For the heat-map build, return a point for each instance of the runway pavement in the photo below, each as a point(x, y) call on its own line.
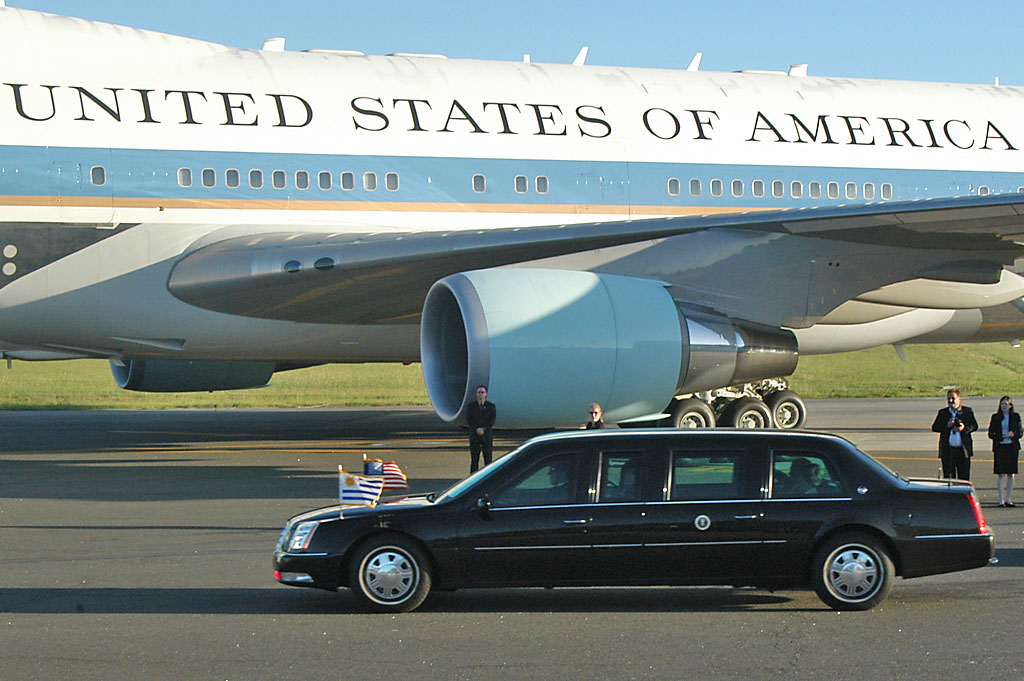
point(137, 545)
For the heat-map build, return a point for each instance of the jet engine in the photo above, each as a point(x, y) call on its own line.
point(549, 342)
point(173, 375)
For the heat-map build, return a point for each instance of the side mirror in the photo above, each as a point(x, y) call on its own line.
point(483, 504)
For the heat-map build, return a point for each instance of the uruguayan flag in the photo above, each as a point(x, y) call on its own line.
point(359, 490)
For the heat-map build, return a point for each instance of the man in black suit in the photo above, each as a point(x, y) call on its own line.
point(954, 425)
point(480, 418)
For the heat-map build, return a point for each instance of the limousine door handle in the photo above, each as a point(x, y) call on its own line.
point(746, 517)
point(581, 521)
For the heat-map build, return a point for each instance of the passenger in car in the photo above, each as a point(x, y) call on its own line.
point(804, 478)
point(627, 487)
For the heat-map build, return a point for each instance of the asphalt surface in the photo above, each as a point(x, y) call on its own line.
point(136, 545)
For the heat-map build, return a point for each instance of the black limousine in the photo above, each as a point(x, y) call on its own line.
point(650, 507)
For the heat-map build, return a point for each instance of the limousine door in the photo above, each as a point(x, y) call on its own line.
point(709, 529)
point(531, 530)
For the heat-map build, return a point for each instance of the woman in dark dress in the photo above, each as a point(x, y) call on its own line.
point(1004, 428)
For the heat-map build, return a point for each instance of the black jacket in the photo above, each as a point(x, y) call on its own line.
point(995, 429)
point(480, 416)
point(939, 426)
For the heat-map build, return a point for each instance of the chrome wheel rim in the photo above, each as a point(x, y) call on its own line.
point(390, 575)
point(852, 573)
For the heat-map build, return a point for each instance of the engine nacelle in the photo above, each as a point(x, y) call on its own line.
point(175, 375)
point(549, 342)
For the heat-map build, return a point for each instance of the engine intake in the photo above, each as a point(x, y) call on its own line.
point(549, 342)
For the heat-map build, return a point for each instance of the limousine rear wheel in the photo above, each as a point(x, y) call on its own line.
point(852, 572)
point(389, 573)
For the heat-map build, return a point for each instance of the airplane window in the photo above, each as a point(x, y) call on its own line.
point(279, 179)
point(695, 187)
point(886, 191)
point(292, 266)
point(479, 183)
point(184, 177)
point(231, 178)
point(851, 190)
point(778, 189)
point(521, 184)
point(391, 182)
point(737, 187)
point(716, 187)
point(869, 190)
point(370, 182)
point(324, 264)
point(814, 190)
point(757, 187)
point(673, 186)
point(983, 190)
point(209, 177)
point(348, 180)
point(98, 174)
point(301, 179)
point(323, 179)
point(833, 190)
point(542, 184)
point(796, 189)
point(256, 179)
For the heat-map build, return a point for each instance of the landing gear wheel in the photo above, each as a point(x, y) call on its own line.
point(691, 413)
point(852, 572)
point(788, 410)
point(389, 573)
point(748, 412)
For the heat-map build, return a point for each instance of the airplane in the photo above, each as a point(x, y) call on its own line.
point(203, 216)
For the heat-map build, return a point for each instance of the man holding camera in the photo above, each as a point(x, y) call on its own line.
point(954, 425)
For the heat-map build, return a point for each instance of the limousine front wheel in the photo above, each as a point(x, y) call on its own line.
point(852, 572)
point(390, 574)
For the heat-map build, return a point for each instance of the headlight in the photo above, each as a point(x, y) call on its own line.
point(302, 535)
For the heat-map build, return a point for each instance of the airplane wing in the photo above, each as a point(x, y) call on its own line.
point(383, 277)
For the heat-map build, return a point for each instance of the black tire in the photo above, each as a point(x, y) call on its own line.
point(390, 573)
point(691, 413)
point(852, 571)
point(748, 412)
point(788, 409)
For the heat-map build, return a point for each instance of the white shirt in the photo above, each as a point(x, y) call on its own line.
point(954, 435)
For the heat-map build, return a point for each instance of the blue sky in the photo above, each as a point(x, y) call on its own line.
point(915, 40)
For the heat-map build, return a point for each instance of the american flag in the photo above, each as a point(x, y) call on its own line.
point(394, 478)
point(359, 490)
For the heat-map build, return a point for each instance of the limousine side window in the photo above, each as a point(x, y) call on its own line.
point(551, 481)
point(702, 476)
point(797, 475)
point(621, 477)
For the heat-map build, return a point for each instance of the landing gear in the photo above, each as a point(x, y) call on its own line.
point(747, 412)
point(788, 410)
point(692, 412)
point(766, 404)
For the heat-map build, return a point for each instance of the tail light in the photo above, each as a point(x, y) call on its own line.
point(978, 515)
